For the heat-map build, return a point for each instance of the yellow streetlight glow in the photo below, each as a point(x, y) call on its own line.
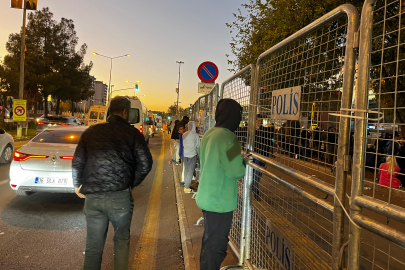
point(128, 54)
point(127, 81)
point(94, 53)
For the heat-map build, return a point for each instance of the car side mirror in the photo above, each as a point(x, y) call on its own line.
point(2, 131)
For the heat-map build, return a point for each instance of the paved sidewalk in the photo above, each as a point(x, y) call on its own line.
point(191, 235)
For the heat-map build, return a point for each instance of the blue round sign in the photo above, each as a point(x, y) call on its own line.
point(207, 72)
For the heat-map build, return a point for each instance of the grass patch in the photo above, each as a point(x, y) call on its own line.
point(31, 133)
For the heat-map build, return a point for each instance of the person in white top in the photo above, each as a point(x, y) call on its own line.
point(191, 143)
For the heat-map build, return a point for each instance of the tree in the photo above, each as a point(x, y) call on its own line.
point(52, 64)
point(267, 22)
point(173, 110)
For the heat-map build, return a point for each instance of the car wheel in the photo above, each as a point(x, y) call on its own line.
point(7, 154)
point(23, 193)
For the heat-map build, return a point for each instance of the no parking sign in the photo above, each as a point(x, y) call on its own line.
point(207, 72)
point(20, 110)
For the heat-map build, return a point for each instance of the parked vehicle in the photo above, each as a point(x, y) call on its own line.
point(96, 115)
point(6, 146)
point(151, 124)
point(56, 120)
point(44, 164)
point(6, 112)
point(138, 116)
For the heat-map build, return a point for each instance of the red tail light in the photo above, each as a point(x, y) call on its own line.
point(41, 123)
point(65, 125)
point(141, 129)
point(67, 157)
point(14, 186)
point(23, 157)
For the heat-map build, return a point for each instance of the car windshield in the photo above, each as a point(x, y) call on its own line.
point(59, 136)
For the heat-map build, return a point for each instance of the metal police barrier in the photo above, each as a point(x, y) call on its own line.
point(203, 112)
point(291, 215)
point(238, 87)
point(377, 233)
point(213, 98)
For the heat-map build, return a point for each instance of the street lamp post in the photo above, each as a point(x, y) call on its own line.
point(111, 59)
point(178, 86)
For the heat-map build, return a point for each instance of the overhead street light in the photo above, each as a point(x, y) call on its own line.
point(111, 58)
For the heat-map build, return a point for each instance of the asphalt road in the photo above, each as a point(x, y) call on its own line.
point(48, 231)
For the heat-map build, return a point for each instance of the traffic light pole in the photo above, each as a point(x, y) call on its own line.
point(21, 86)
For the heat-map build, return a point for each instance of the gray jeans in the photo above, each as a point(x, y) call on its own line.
point(188, 170)
point(101, 209)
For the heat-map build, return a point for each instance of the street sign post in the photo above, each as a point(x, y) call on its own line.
point(207, 72)
point(205, 88)
point(20, 110)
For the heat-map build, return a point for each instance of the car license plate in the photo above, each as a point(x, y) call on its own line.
point(51, 180)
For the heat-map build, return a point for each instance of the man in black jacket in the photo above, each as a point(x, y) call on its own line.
point(175, 137)
point(109, 160)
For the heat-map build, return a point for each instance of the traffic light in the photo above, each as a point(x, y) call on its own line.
point(136, 88)
point(169, 117)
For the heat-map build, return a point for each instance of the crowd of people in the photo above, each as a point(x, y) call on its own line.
point(318, 145)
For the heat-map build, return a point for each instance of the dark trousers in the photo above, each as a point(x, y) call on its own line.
point(100, 209)
point(257, 175)
point(215, 239)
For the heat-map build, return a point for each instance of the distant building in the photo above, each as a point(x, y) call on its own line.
point(100, 93)
point(99, 97)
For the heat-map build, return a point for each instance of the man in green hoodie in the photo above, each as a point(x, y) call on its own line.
point(222, 165)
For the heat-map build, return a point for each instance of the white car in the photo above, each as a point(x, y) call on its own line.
point(45, 163)
point(6, 146)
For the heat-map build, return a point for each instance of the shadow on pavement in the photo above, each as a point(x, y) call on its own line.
point(48, 211)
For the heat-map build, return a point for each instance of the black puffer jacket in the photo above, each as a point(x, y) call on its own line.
point(111, 156)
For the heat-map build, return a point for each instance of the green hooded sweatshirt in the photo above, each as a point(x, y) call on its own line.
point(222, 165)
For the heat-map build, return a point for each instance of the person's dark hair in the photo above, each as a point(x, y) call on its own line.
point(119, 104)
point(181, 125)
point(186, 118)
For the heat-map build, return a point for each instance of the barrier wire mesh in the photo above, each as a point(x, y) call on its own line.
point(386, 137)
point(314, 62)
point(239, 90)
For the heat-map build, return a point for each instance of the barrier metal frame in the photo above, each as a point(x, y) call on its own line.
point(358, 201)
point(339, 191)
point(240, 253)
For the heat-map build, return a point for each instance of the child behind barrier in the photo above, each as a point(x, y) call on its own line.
point(387, 169)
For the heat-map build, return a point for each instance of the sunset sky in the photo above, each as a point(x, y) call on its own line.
point(156, 34)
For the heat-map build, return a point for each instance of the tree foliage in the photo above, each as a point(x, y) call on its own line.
point(173, 110)
point(261, 24)
point(52, 64)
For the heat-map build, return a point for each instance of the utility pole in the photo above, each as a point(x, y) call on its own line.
point(178, 86)
point(21, 88)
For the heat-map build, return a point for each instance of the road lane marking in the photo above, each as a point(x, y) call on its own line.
point(145, 253)
point(4, 182)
